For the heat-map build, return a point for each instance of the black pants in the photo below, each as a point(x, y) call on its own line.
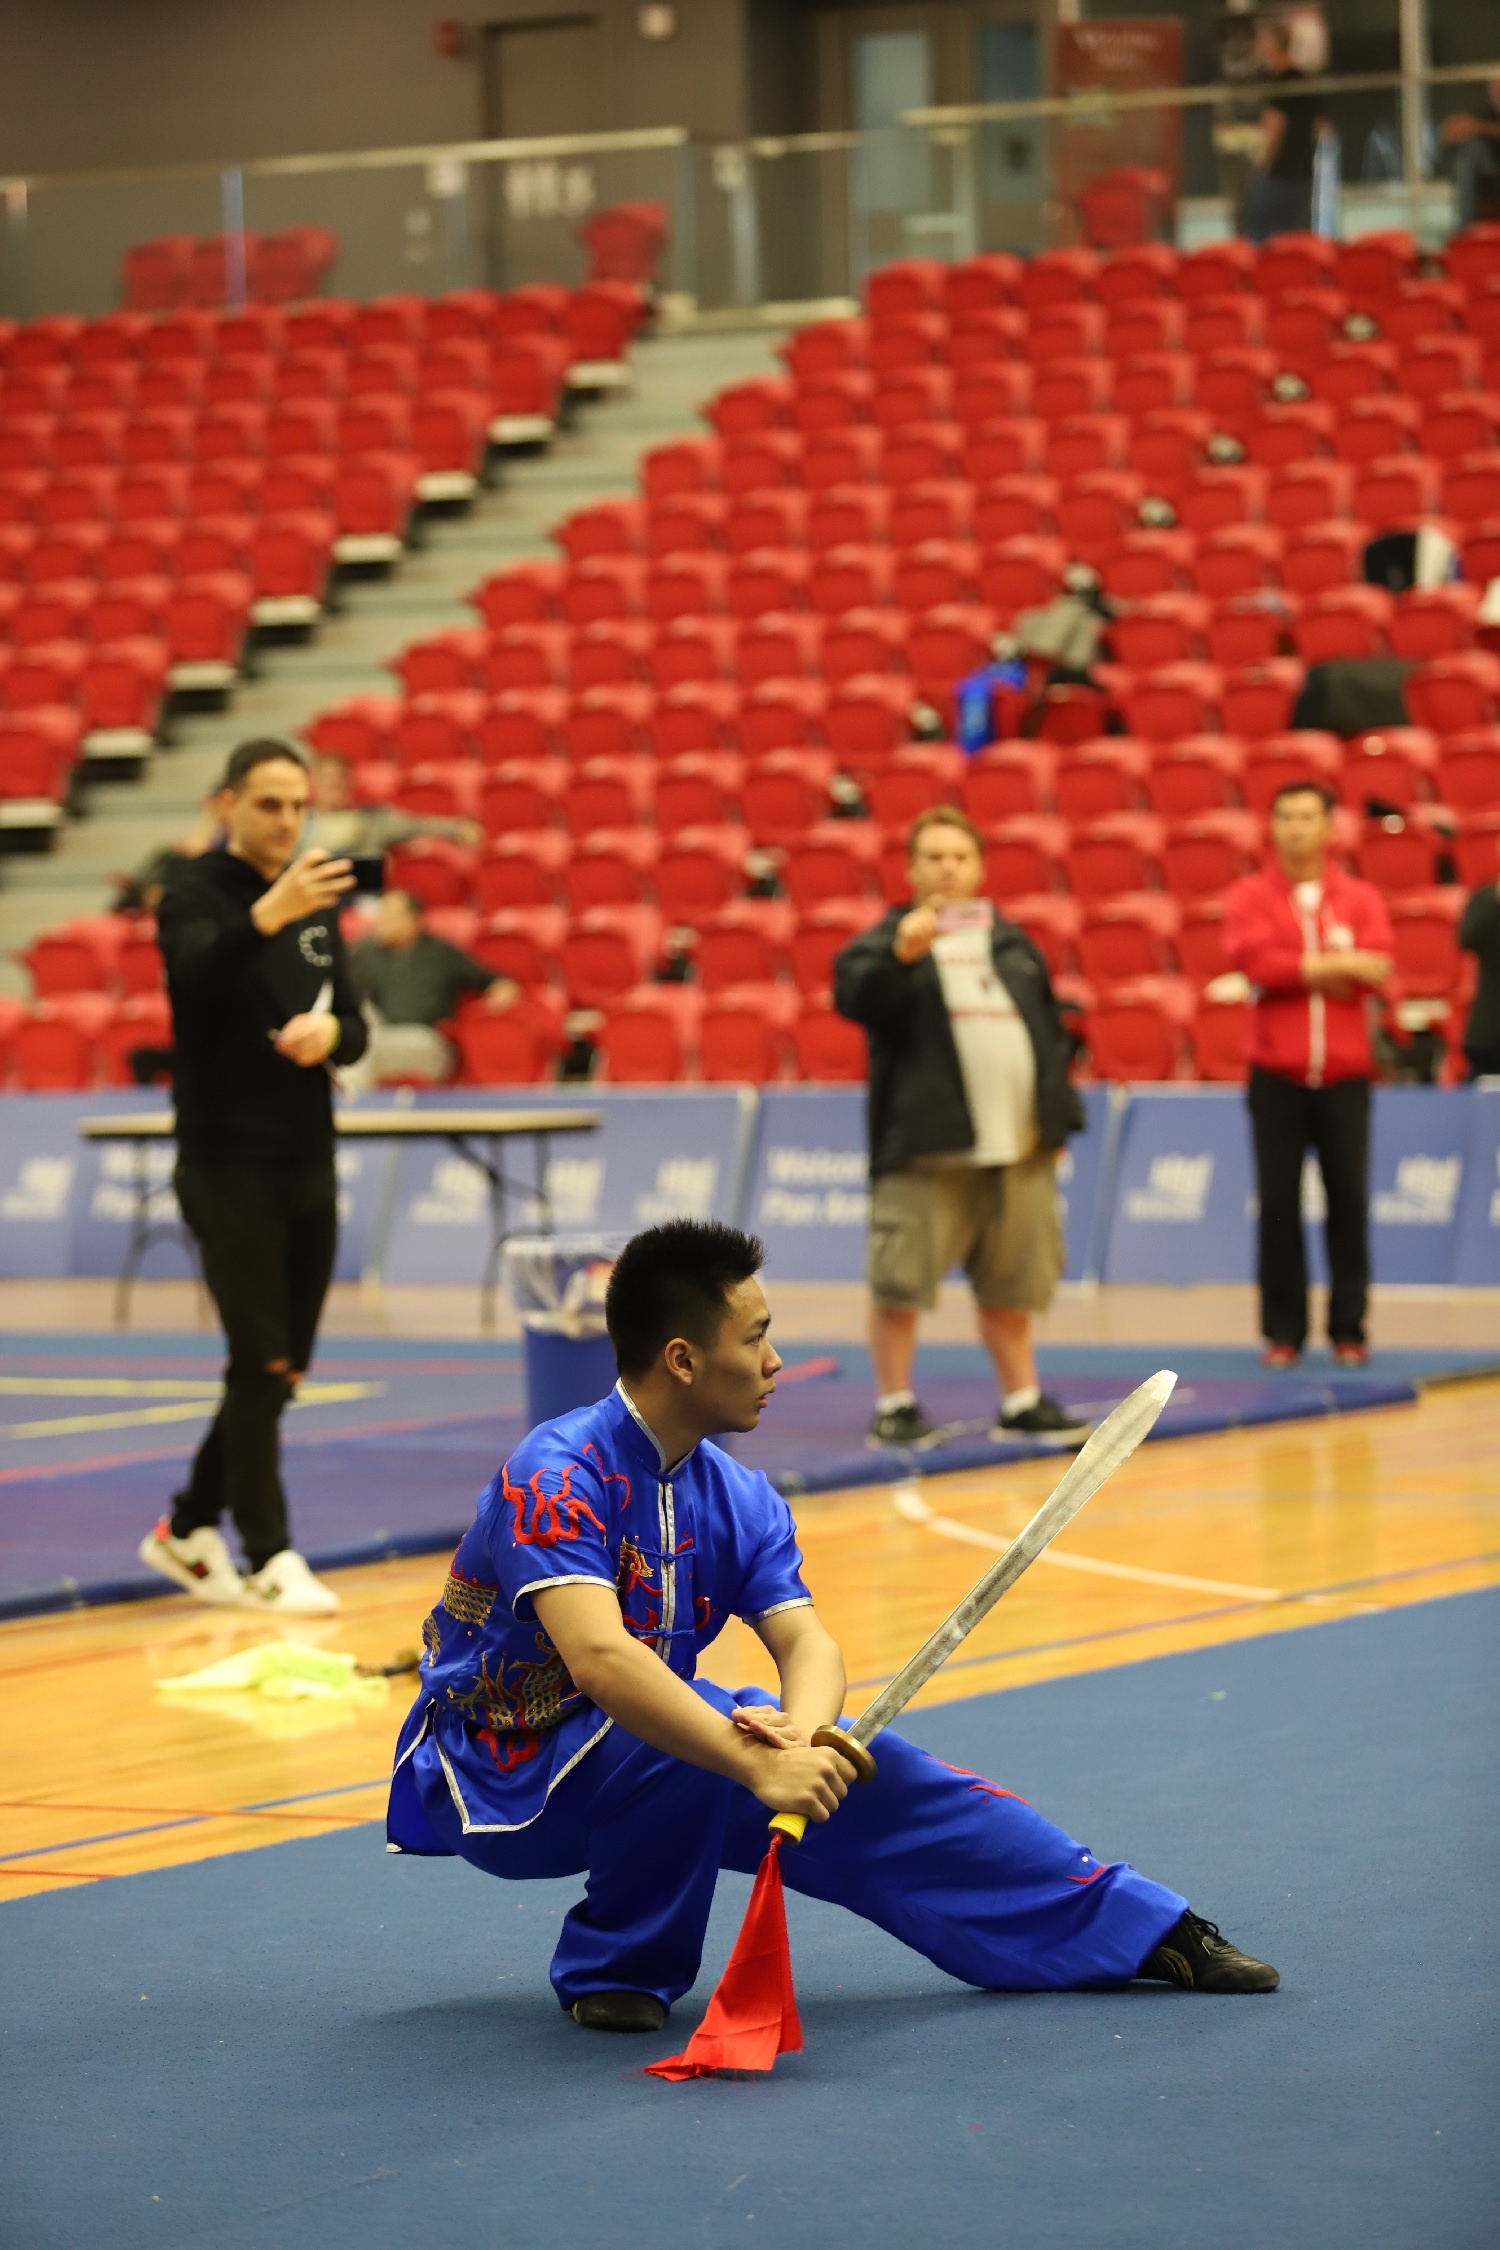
point(1286, 1120)
point(267, 1237)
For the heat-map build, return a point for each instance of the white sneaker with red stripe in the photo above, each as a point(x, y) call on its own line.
point(200, 1564)
point(288, 1586)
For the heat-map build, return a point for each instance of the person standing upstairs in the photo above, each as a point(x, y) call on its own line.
point(1315, 944)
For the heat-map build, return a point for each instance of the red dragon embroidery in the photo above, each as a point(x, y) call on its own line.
point(542, 1518)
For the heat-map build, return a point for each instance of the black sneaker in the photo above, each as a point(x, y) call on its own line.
point(619, 2011)
point(1194, 1955)
point(1046, 1419)
point(901, 1425)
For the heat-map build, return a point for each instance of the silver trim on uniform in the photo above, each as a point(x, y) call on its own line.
point(538, 1585)
point(508, 1827)
point(802, 1601)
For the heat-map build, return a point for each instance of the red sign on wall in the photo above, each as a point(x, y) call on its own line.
point(1119, 54)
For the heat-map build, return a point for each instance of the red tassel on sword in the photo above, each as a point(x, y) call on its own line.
point(752, 2017)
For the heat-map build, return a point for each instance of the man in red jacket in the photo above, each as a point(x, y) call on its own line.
point(1316, 944)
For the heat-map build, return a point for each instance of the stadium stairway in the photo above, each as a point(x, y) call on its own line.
point(596, 456)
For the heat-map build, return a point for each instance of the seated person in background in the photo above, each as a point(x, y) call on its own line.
point(1479, 934)
point(140, 893)
point(354, 831)
point(1475, 134)
point(410, 982)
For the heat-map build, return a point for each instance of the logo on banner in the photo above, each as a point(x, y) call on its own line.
point(41, 1190)
point(815, 1187)
point(1425, 1193)
point(116, 1197)
point(457, 1195)
point(1175, 1193)
point(684, 1190)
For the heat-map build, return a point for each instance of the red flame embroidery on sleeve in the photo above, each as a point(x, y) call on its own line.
point(542, 1518)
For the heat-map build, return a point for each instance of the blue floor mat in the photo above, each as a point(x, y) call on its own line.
point(398, 1471)
point(315, 2047)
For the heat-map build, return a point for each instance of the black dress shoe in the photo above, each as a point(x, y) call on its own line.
point(901, 1425)
point(619, 2011)
point(1046, 1419)
point(1194, 1955)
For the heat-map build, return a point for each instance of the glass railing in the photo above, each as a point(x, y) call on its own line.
point(764, 221)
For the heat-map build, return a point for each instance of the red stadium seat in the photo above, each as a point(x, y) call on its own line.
point(1238, 558)
point(501, 1047)
point(792, 646)
point(785, 794)
point(1309, 491)
point(835, 859)
point(436, 872)
point(827, 1048)
point(523, 943)
point(1052, 921)
point(1106, 774)
point(701, 871)
point(1471, 487)
point(1005, 782)
point(1204, 855)
point(1174, 700)
point(1200, 940)
point(522, 869)
point(1455, 694)
point(699, 790)
point(526, 594)
point(696, 715)
point(1321, 555)
point(732, 950)
point(1468, 770)
point(1220, 1037)
point(820, 935)
point(783, 715)
point(1201, 773)
point(1252, 628)
point(744, 1035)
point(650, 1034)
point(1397, 766)
point(1476, 848)
point(846, 515)
point(54, 1053)
point(1344, 622)
point(1137, 1032)
point(1427, 960)
point(973, 284)
point(1121, 852)
point(846, 578)
point(1024, 854)
point(1012, 446)
point(611, 867)
point(608, 951)
point(1132, 934)
point(866, 641)
point(1148, 562)
point(1400, 851)
point(1259, 698)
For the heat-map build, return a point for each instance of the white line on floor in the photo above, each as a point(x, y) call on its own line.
point(908, 1502)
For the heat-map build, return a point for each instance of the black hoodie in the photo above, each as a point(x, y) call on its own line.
point(238, 1100)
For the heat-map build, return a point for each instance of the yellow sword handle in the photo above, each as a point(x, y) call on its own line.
point(793, 1825)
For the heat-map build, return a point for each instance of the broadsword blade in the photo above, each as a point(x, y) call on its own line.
point(1114, 1441)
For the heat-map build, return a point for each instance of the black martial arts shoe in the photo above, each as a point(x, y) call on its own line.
point(1047, 1419)
point(619, 2011)
point(902, 1425)
point(1194, 1955)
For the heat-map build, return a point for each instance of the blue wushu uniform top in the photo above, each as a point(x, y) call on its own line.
point(584, 1500)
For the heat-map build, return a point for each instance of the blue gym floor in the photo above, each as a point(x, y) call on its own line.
point(396, 1469)
point(316, 2047)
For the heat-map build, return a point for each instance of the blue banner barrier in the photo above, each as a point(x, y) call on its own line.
point(1183, 1188)
point(1477, 1262)
point(676, 1153)
point(809, 1197)
point(1419, 1148)
point(42, 1168)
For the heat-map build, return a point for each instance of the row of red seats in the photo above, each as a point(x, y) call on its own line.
point(775, 791)
point(700, 869)
point(1311, 328)
point(76, 1039)
point(874, 664)
point(1371, 270)
point(186, 269)
point(594, 323)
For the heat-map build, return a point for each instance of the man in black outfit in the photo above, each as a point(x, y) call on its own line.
point(262, 1005)
point(1279, 192)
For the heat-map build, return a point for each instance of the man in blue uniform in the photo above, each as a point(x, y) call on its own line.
point(560, 1729)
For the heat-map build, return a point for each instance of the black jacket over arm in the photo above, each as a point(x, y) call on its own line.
point(918, 1106)
point(238, 1101)
point(1479, 932)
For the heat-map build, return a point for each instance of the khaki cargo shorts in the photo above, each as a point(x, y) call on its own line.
point(1000, 1222)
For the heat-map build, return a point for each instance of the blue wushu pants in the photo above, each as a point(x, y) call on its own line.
point(962, 1871)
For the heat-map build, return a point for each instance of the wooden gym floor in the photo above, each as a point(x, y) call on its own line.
point(1195, 1542)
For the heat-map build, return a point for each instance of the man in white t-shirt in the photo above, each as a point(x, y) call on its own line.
point(970, 1104)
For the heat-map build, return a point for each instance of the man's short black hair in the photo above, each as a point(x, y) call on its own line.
point(1308, 788)
point(674, 1280)
point(243, 761)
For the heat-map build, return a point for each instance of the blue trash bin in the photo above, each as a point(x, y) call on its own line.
point(557, 1283)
